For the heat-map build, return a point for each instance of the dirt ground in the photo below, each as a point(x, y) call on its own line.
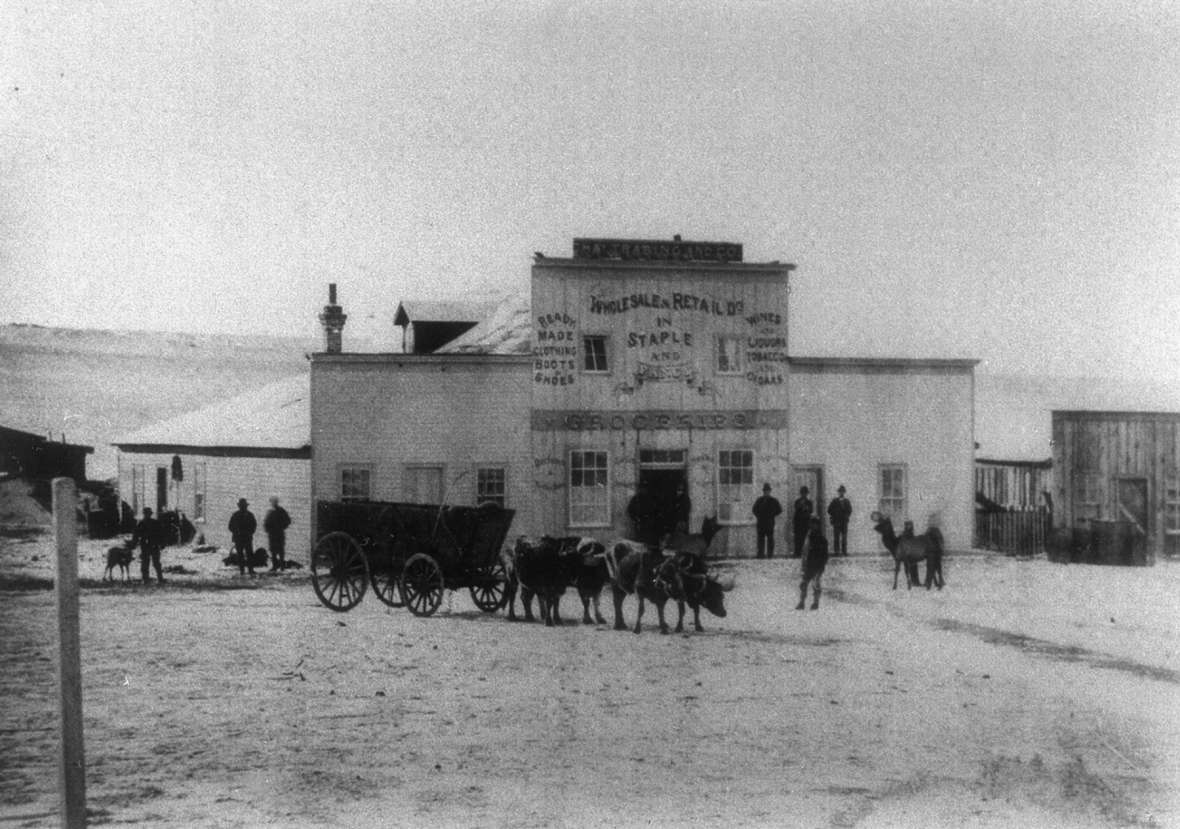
point(1024, 694)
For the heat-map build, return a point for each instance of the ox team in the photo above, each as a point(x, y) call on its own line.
point(663, 561)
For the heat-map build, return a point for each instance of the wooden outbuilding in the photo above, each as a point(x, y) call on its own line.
point(1122, 468)
point(29, 455)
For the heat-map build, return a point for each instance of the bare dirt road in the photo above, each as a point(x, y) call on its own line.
point(1024, 694)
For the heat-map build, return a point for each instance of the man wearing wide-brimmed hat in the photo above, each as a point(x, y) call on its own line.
point(840, 513)
point(241, 528)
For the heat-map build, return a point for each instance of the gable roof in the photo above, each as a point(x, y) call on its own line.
point(274, 417)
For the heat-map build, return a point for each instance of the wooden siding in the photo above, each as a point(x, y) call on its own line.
point(1014, 485)
point(1095, 453)
point(227, 478)
point(661, 323)
point(457, 412)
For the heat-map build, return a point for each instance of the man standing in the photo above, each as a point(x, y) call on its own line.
point(766, 510)
point(147, 535)
point(644, 513)
point(839, 513)
point(275, 523)
point(680, 511)
point(815, 558)
point(801, 521)
point(241, 528)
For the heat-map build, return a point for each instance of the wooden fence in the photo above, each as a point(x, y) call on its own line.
point(1021, 533)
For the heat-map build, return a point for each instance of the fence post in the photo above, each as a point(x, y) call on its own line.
point(72, 777)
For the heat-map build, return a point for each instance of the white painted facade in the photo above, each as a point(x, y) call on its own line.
point(666, 403)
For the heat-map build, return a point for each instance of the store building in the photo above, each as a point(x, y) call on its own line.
point(653, 363)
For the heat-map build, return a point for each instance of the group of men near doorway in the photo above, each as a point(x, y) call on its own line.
point(767, 509)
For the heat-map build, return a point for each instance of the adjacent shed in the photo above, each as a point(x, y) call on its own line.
point(1124, 467)
point(29, 455)
point(254, 446)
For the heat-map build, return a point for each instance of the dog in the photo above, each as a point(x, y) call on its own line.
point(120, 557)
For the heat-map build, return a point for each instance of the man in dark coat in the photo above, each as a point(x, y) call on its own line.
point(815, 558)
point(839, 513)
point(275, 523)
point(241, 528)
point(801, 521)
point(680, 511)
point(644, 512)
point(148, 536)
point(766, 510)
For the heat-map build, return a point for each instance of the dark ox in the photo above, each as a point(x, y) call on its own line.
point(655, 577)
point(545, 567)
point(908, 549)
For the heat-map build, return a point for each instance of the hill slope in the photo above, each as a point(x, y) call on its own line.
point(93, 385)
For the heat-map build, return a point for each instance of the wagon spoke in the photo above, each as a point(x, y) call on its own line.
point(339, 572)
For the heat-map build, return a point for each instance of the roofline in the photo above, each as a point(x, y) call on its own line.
point(461, 357)
point(654, 264)
point(296, 453)
point(1045, 464)
point(881, 362)
point(1114, 413)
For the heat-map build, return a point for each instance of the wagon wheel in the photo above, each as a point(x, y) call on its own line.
point(387, 586)
point(339, 573)
point(422, 584)
point(489, 587)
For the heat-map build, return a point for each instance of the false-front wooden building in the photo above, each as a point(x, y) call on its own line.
point(1119, 467)
point(653, 363)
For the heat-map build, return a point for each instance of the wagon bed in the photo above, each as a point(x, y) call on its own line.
point(409, 553)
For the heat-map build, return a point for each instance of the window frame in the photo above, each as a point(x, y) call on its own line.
point(576, 509)
point(482, 494)
point(1171, 502)
point(606, 352)
point(342, 469)
point(734, 510)
point(739, 356)
point(1087, 496)
point(412, 470)
point(200, 493)
point(884, 500)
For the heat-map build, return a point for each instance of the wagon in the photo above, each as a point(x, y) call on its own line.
point(409, 553)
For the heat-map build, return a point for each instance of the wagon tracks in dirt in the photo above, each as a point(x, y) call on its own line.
point(1026, 644)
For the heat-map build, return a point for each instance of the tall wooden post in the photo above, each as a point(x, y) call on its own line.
point(72, 777)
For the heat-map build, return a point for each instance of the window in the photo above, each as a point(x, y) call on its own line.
point(594, 353)
point(729, 355)
point(199, 491)
point(489, 485)
point(424, 484)
point(1087, 496)
point(892, 488)
point(355, 483)
point(1172, 505)
point(589, 498)
point(735, 485)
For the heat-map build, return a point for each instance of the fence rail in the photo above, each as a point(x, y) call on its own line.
point(1016, 533)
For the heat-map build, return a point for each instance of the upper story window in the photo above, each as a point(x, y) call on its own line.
point(594, 356)
point(423, 484)
point(729, 354)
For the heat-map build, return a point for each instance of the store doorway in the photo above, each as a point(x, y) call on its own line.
point(662, 472)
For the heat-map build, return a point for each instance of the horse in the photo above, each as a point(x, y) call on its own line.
point(910, 549)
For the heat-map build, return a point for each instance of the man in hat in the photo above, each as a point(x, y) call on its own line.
point(815, 558)
point(148, 534)
point(839, 513)
point(766, 510)
point(275, 523)
point(241, 528)
point(801, 521)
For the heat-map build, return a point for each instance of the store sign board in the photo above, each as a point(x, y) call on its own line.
point(657, 250)
point(563, 420)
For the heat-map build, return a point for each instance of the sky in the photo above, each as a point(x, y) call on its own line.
point(997, 181)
